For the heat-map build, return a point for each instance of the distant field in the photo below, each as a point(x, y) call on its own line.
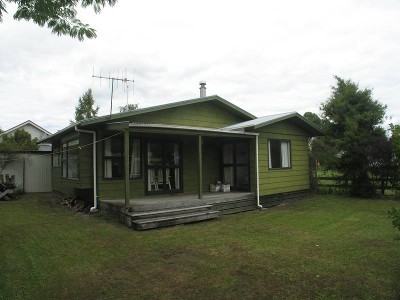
point(322, 247)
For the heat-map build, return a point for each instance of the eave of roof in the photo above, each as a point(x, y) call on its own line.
point(192, 129)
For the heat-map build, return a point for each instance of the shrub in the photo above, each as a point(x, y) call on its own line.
point(394, 214)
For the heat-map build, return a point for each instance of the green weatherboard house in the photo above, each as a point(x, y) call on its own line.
point(155, 166)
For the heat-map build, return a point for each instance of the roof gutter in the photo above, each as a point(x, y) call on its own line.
point(95, 202)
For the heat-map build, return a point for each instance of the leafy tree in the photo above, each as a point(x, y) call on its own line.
point(313, 118)
point(394, 214)
point(85, 108)
point(352, 121)
point(395, 131)
point(10, 145)
point(322, 148)
point(128, 107)
point(59, 15)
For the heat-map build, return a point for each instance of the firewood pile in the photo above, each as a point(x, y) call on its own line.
point(75, 204)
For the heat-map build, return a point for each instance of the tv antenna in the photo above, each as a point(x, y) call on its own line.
point(111, 79)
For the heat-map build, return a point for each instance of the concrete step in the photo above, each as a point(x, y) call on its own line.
point(150, 223)
point(167, 212)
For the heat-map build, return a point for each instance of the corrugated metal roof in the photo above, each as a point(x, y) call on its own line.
point(259, 121)
point(190, 128)
point(267, 120)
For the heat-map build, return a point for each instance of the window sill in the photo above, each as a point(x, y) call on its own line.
point(71, 179)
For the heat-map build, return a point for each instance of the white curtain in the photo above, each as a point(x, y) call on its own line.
point(176, 154)
point(177, 184)
point(107, 161)
point(135, 159)
point(228, 175)
point(108, 168)
point(285, 154)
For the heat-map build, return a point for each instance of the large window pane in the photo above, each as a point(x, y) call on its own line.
point(135, 159)
point(242, 153)
point(171, 153)
point(163, 167)
point(69, 159)
point(113, 160)
point(274, 154)
point(228, 154)
point(73, 163)
point(154, 153)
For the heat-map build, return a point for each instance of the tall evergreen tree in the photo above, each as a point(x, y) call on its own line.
point(85, 108)
point(352, 121)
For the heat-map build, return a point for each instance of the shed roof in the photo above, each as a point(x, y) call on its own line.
point(267, 120)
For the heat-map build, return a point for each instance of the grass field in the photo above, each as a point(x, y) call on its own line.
point(323, 247)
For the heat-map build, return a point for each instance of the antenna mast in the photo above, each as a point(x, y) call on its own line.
point(111, 80)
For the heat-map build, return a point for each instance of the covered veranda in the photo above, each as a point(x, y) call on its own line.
point(181, 199)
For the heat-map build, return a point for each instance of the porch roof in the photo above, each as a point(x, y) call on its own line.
point(178, 129)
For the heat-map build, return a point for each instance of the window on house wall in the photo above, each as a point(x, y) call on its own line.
point(56, 158)
point(279, 154)
point(69, 159)
point(114, 158)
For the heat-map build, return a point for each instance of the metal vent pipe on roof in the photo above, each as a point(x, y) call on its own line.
point(202, 89)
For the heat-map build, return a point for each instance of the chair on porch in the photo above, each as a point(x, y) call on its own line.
point(167, 177)
point(152, 180)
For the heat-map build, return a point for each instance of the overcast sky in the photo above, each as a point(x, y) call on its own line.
point(265, 56)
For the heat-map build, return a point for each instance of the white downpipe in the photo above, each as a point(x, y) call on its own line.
point(95, 204)
point(258, 177)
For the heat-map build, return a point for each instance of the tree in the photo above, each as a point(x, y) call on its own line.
point(10, 145)
point(352, 121)
point(59, 15)
point(128, 107)
point(85, 108)
point(395, 131)
point(321, 148)
point(313, 118)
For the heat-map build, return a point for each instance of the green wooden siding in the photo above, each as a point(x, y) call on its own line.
point(284, 180)
point(68, 186)
point(202, 115)
point(199, 114)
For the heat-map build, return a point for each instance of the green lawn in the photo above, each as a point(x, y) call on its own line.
point(322, 247)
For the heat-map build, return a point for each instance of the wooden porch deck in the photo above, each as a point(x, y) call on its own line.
point(162, 202)
point(168, 210)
